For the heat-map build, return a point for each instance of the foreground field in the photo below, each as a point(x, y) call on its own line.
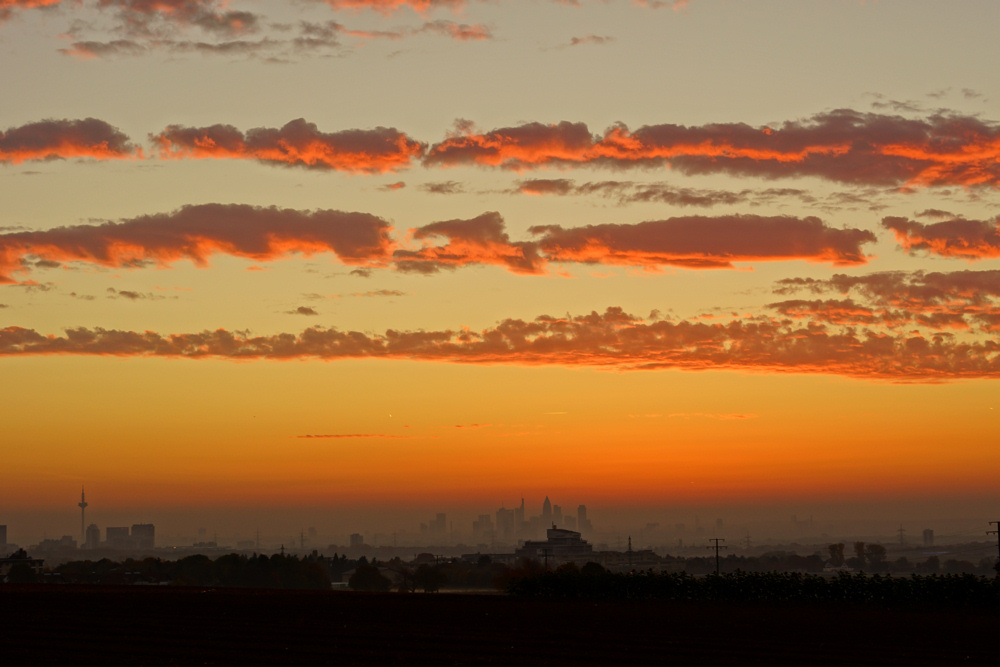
point(189, 626)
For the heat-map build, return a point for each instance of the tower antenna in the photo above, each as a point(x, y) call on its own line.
point(83, 509)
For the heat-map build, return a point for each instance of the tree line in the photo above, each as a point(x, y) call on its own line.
point(593, 582)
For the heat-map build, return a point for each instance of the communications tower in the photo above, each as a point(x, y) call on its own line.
point(83, 511)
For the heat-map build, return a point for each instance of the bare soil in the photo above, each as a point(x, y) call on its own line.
point(62, 625)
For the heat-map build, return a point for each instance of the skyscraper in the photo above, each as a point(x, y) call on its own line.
point(93, 536)
point(547, 514)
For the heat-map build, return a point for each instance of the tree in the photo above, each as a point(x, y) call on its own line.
point(837, 554)
point(876, 556)
point(21, 573)
point(367, 578)
point(429, 578)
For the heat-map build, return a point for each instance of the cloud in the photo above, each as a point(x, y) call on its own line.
point(843, 145)
point(379, 292)
point(443, 188)
point(197, 232)
point(598, 40)
point(704, 242)
point(958, 300)
point(145, 17)
point(55, 139)
point(613, 339)
point(628, 192)
point(546, 186)
point(481, 240)
point(8, 7)
point(303, 310)
point(346, 436)
point(95, 49)
point(133, 295)
point(364, 240)
point(710, 415)
point(389, 6)
point(327, 33)
point(695, 242)
point(390, 187)
point(298, 143)
point(953, 237)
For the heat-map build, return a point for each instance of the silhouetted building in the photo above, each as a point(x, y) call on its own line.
point(547, 512)
point(560, 545)
point(143, 535)
point(18, 558)
point(3, 540)
point(117, 537)
point(357, 539)
point(928, 538)
point(582, 522)
point(505, 524)
point(64, 543)
point(557, 517)
point(93, 537)
point(482, 528)
point(436, 528)
point(519, 522)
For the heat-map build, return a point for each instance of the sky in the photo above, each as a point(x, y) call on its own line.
point(348, 263)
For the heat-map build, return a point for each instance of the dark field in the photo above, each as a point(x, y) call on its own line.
point(64, 625)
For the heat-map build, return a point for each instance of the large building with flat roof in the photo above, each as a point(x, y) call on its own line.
point(560, 546)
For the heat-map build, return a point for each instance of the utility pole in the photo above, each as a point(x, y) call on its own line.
point(997, 533)
point(717, 547)
point(746, 541)
point(901, 531)
point(630, 554)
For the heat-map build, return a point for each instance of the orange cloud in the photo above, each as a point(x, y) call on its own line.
point(481, 240)
point(389, 6)
point(54, 139)
point(613, 339)
point(955, 300)
point(263, 234)
point(352, 436)
point(298, 143)
point(705, 242)
point(692, 242)
point(955, 237)
point(7, 7)
point(843, 145)
point(137, 15)
point(197, 232)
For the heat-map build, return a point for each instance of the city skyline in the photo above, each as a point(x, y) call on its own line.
point(355, 262)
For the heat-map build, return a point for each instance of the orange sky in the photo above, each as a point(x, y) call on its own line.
point(358, 262)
